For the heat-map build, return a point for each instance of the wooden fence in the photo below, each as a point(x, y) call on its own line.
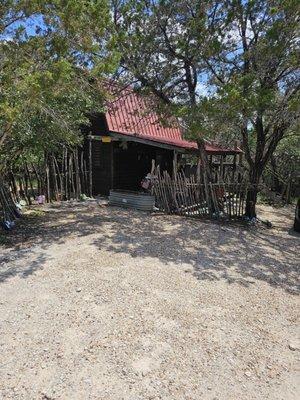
point(59, 176)
point(194, 197)
point(56, 176)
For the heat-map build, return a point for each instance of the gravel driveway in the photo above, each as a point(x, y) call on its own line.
point(105, 303)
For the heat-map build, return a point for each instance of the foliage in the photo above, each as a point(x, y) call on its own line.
point(222, 66)
point(46, 86)
point(282, 173)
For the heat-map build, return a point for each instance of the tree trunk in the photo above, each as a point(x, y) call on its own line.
point(251, 200)
point(276, 183)
point(207, 175)
point(204, 160)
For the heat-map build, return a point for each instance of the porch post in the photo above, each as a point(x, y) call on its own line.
point(175, 164)
point(198, 172)
point(222, 159)
point(112, 165)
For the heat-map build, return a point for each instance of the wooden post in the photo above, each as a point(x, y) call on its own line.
point(54, 179)
point(71, 174)
point(152, 167)
point(221, 175)
point(198, 171)
point(207, 175)
point(48, 182)
point(65, 164)
point(111, 165)
point(234, 166)
point(61, 189)
point(82, 174)
point(90, 168)
point(174, 164)
point(77, 177)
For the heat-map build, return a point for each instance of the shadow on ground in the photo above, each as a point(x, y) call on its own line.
point(234, 253)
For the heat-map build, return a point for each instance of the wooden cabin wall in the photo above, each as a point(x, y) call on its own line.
point(102, 158)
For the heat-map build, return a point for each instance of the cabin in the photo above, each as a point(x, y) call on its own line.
point(123, 142)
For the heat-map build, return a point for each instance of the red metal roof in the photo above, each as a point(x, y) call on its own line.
point(128, 114)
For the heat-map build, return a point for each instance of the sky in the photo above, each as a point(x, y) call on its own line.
point(29, 24)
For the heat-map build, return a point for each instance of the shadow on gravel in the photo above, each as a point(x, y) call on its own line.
point(13, 266)
point(25, 247)
point(232, 253)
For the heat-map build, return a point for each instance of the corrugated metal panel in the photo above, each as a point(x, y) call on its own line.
point(129, 199)
point(129, 114)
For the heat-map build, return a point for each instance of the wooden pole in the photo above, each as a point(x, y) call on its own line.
point(71, 175)
point(82, 175)
point(90, 168)
point(54, 179)
point(56, 167)
point(174, 165)
point(77, 176)
point(67, 191)
point(111, 165)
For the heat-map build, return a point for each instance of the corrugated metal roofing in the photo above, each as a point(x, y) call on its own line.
point(129, 114)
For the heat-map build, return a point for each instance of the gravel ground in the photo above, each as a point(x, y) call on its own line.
point(106, 303)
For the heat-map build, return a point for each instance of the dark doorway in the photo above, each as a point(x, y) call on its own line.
point(132, 162)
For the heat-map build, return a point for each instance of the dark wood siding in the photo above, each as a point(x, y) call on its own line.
point(102, 167)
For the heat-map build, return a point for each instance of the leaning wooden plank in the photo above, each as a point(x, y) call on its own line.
point(194, 195)
point(166, 205)
point(159, 191)
point(184, 193)
point(180, 194)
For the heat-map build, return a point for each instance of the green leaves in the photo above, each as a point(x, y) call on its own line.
point(46, 54)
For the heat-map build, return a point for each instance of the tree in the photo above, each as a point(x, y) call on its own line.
point(46, 87)
point(257, 74)
point(234, 62)
point(283, 171)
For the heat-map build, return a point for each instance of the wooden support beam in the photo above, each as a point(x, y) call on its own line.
point(154, 143)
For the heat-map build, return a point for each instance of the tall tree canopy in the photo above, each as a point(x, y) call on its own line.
point(220, 65)
point(45, 70)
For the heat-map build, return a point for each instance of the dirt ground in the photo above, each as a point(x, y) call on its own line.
point(106, 303)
